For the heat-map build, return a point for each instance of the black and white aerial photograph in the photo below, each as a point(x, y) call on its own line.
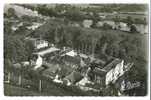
point(76, 49)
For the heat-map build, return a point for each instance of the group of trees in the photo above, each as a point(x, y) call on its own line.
point(81, 38)
point(67, 11)
point(16, 49)
point(10, 13)
point(116, 7)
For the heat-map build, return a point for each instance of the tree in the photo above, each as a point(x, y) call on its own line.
point(116, 19)
point(7, 64)
point(76, 34)
point(15, 49)
point(11, 13)
point(133, 29)
point(7, 28)
point(113, 50)
point(43, 10)
point(95, 19)
point(94, 43)
point(111, 90)
point(129, 21)
point(29, 47)
point(22, 31)
point(106, 26)
point(74, 14)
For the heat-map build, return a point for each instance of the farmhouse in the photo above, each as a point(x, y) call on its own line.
point(111, 72)
point(38, 43)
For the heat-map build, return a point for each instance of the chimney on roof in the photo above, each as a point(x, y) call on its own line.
point(64, 48)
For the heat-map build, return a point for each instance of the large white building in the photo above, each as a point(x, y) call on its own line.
point(38, 43)
point(119, 70)
point(41, 44)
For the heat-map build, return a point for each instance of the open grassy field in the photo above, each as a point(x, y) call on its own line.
point(14, 90)
point(11, 90)
point(49, 88)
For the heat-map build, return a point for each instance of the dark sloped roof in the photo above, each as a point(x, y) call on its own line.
point(47, 51)
point(65, 70)
point(51, 69)
point(74, 60)
point(74, 77)
point(112, 64)
point(99, 61)
point(99, 72)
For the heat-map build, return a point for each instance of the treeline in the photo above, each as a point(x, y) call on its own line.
point(16, 49)
point(74, 13)
point(62, 10)
point(97, 7)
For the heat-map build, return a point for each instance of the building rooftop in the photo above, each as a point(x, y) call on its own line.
point(49, 50)
point(99, 71)
point(111, 64)
point(74, 77)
